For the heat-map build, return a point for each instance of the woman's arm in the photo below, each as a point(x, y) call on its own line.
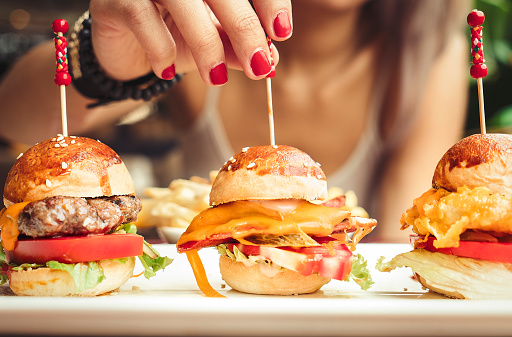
point(440, 125)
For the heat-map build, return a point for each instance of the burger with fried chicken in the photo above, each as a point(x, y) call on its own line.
point(463, 224)
point(273, 233)
point(66, 226)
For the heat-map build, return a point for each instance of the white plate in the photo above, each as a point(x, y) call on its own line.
point(170, 234)
point(171, 304)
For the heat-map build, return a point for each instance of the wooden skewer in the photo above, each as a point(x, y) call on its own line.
point(270, 111)
point(480, 85)
point(63, 110)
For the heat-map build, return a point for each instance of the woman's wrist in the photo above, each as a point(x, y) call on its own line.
point(90, 80)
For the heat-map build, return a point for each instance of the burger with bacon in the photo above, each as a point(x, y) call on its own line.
point(463, 224)
point(65, 228)
point(271, 229)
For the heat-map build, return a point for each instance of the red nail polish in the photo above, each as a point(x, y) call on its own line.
point(169, 73)
point(260, 64)
point(282, 25)
point(219, 74)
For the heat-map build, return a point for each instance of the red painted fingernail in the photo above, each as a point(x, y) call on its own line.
point(260, 64)
point(282, 25)
point(169, 73)
point(219, 74)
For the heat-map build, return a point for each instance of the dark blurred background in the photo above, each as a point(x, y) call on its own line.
point(25, 23)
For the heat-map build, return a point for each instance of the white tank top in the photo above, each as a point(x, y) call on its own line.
point(206, 147)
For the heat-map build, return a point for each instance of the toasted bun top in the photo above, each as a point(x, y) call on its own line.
point(267, 173)
point(477, 160)
point(67, 166)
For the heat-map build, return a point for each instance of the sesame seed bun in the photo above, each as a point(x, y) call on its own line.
point(67, 166)
point(268, 173)
point(52, 282)
point(250, 280)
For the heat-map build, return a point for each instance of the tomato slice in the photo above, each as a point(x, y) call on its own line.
point(74, 249)
point(491, 251)
point(334, 262)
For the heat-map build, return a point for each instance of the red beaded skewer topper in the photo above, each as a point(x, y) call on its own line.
point(62, 77)
point(478, 69)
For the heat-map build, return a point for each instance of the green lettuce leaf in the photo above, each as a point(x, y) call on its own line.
point(152, 263)
point(360, 273)
point(3, 260)
point(464, 277)
point(85, 275)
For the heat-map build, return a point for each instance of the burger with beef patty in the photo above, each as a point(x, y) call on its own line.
point(274, 235)
point(463, 224)
point(66, 226)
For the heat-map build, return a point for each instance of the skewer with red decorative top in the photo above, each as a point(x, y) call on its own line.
point(269, 95)
point(478, 69)
point(62, 77)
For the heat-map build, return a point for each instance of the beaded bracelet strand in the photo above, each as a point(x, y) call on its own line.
point(92, 82)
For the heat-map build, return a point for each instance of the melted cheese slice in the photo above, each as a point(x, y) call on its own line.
point(200, 274)
point(447, 215)
point(244, 218)
point(9, 225)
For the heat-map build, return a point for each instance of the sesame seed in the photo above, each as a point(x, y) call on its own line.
point(274, 146)
point(57, 145)
point(64, 165)
point(245, 149)
point(233, 160)
point(54, 139)
point(319, 176)
point(229, 167)
point(251, 165)
point(60, 138)
point(99, 141)
point(73, 141)
point(19, 156)
point(72, 136)
point(48, 183)
point(63, 144)
point(318, 164)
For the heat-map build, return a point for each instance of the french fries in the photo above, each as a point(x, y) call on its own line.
point(350, 201)
point(176, 205)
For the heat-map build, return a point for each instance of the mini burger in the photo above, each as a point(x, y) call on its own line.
point(463, 224)
point(273, 234)
point(65, 228)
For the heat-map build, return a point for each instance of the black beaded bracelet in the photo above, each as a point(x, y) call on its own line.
point(92, 82)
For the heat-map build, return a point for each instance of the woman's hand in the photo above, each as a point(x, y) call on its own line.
point(132, 37)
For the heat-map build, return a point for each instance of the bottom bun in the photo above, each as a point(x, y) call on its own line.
point(52, 282)
point(251, 280)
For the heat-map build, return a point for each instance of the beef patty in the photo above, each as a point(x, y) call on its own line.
point(59, 216)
